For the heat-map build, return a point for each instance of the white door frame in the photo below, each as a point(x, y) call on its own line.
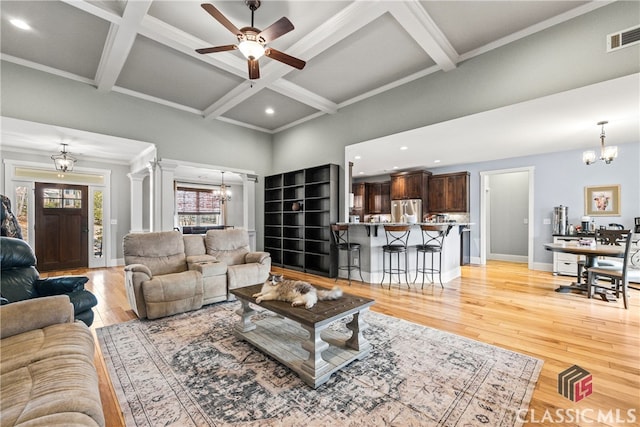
point(11, 181)
point(484, 211)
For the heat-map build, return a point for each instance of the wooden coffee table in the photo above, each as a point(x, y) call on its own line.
point(299, 339)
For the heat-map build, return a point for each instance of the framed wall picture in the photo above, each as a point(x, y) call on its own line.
point(602, 200)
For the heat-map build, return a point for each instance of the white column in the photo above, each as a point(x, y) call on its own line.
point(249, 206)
point(136, 180)
point(167, 203)
point(154, 196)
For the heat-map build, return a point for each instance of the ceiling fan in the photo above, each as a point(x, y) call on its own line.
point(252, 41)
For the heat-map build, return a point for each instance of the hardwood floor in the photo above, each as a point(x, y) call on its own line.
point(503, 304)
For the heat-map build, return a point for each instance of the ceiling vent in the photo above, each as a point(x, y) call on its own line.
point(624, 38)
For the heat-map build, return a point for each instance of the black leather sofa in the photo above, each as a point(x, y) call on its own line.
point(19, 280)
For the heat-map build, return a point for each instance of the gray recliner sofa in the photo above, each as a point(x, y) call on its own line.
point(168, 273)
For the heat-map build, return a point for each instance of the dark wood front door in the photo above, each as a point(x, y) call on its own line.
point(61, 226)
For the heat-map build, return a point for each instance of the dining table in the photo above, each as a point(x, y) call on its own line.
point(591, 254)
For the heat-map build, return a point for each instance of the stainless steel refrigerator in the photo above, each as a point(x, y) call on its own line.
point(406, 210)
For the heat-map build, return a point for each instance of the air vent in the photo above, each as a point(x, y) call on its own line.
point(624, 38)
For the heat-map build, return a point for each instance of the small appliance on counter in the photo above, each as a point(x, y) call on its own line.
point(561, 220)
point(406, 210)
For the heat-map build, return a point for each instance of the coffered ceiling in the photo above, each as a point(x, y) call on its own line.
point(353, 49)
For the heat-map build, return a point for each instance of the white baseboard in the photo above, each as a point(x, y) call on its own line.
point(508, 257)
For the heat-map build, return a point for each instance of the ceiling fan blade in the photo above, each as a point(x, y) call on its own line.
point(281, 27)
point(284, 58)
point(254, 69)
point(218, 16)
point(217, 49)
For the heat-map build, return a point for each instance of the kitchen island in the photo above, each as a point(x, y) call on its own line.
point(371, 237)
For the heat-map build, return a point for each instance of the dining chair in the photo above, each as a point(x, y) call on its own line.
point(618, 277)
point(605, 237)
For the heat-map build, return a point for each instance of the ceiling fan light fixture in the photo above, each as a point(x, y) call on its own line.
point(251, 49)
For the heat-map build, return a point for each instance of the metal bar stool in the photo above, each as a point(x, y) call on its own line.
point(343, 243)
point(432, 243)
point(397, 238)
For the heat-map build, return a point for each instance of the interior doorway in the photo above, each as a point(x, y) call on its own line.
point(503, 197)
point(62, 228)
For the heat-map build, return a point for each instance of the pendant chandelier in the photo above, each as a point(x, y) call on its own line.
point(607, 154)
point(223, 194)
point(64, 161)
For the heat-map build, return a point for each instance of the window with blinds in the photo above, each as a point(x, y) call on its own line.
point(197, 207)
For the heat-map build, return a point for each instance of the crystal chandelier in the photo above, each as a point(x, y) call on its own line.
point(222, 194)
point(64, 161)
point(607, 154)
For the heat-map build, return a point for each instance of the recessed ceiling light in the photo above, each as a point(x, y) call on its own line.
point(269, 110)
point(20, 24)
point(361, 173)
point(404, 147)
point(357, 157)
point(395, 167)
point(436, 161)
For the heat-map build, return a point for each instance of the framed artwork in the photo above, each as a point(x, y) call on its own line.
point(602, 200)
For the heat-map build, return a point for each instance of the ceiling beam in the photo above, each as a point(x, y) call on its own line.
point(419, 25)
point(187, 44)
point(349, 20)
point(118, 44)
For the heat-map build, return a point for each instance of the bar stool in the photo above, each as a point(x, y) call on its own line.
point(397, 238)
point(432, 243)
point(343, 243)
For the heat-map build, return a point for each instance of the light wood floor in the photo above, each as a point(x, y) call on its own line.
point(503, 304)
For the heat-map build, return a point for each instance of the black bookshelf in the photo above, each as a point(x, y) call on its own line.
point(299, 207)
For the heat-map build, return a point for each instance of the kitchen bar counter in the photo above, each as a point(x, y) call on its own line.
point(371, 237)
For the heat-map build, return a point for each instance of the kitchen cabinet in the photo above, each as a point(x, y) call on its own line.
point(567, 264)
point(298, 208)
point(449, 192)
point(359, 200)
point(378, 198)
point(410, 185)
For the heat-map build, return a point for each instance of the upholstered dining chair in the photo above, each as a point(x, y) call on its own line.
point(618, 276)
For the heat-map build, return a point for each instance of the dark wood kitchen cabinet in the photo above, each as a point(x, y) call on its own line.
point(449, 192)
point(410, 185)
point(359, 199)
point(378, 198)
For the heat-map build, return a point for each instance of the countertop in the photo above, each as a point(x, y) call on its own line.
point(406, 223)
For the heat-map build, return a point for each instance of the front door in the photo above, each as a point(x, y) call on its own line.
point(61, 226)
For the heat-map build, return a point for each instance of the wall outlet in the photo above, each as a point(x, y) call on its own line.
point(546, 221)
point(355, 262)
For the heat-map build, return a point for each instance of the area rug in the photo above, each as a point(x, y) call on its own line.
point(191, 370)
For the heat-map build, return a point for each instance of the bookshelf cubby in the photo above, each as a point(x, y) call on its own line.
point(299, 207)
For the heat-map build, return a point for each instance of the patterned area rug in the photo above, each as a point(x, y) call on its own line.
point(191, 370)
